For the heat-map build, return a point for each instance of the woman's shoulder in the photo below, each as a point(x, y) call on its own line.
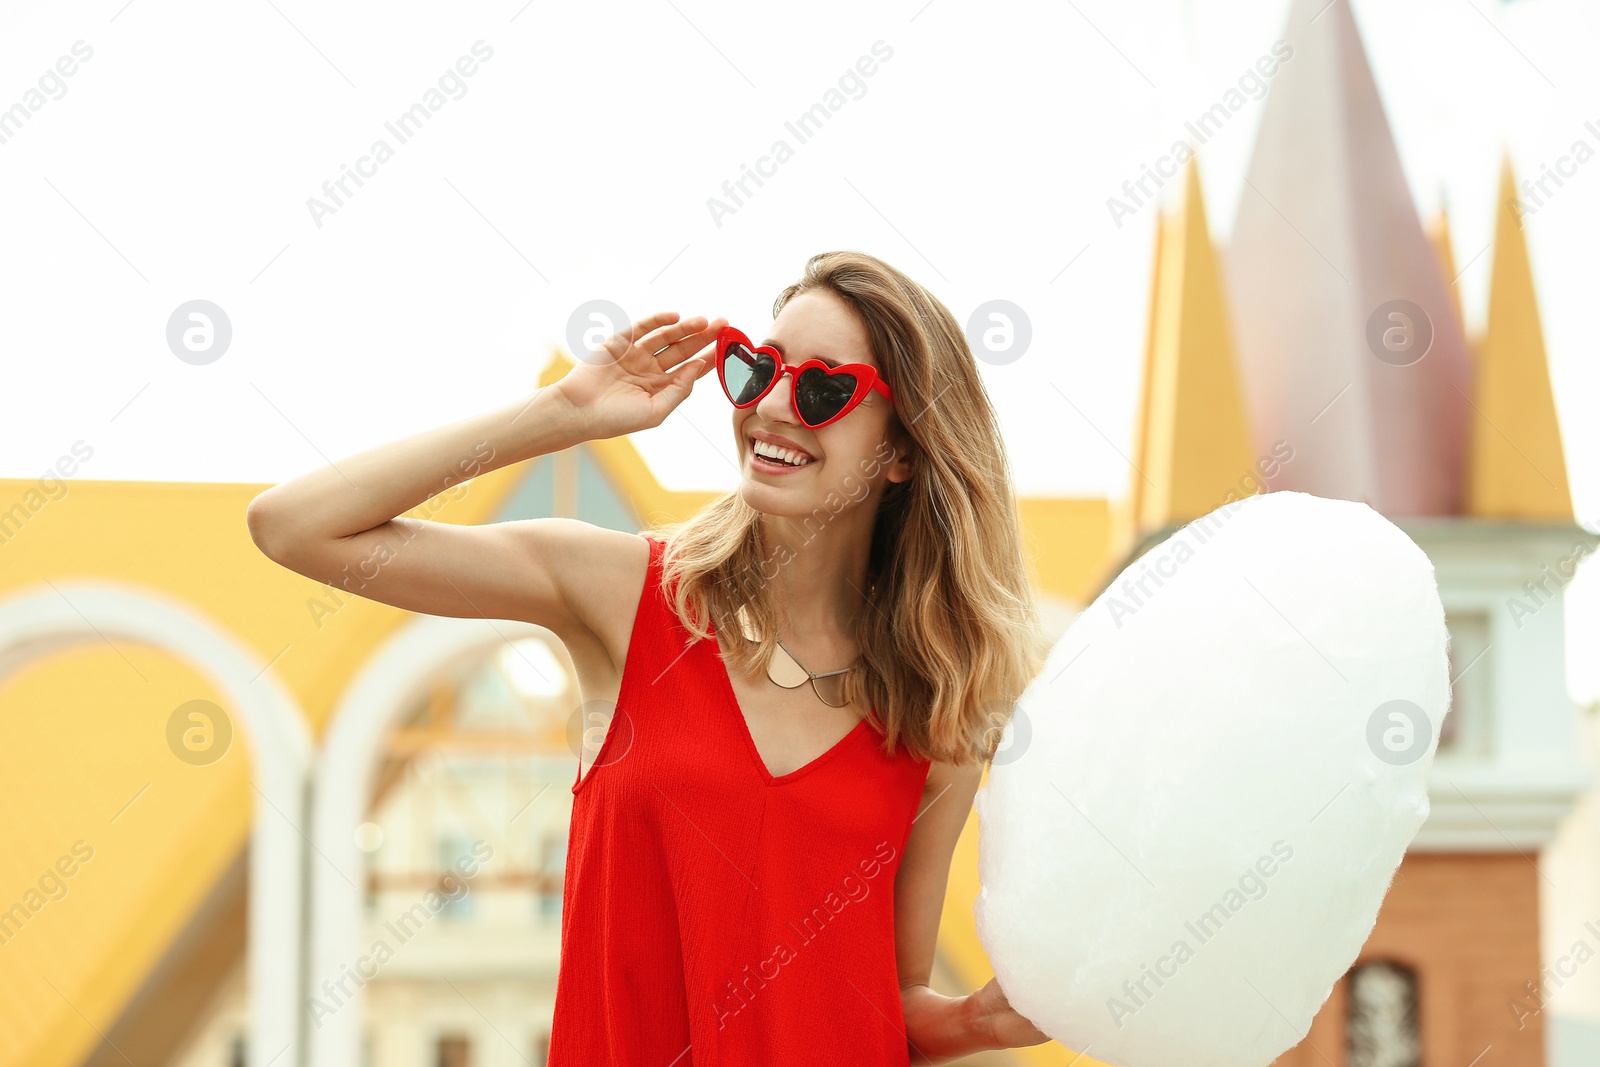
point(607, 571)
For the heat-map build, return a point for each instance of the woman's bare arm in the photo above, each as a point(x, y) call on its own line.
point(344, 524)
point(941, 1028)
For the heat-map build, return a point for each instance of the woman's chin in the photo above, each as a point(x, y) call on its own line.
point(778, 501)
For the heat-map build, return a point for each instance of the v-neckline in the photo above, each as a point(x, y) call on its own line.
point(732, 702)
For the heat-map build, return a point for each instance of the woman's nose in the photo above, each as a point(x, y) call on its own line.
point(777, 406)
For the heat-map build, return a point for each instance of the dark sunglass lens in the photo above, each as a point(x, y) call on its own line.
point(820, 395)
point(746, 373)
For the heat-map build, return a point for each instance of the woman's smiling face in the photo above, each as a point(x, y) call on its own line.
point(850, 457)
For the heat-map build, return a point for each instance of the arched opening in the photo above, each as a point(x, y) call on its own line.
point(68, 614)
point(440, 810)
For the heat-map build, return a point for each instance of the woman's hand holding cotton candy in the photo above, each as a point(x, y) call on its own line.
point(995, 1015)
point(940, 1028)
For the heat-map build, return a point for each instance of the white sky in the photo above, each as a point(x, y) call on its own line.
point(577, 166)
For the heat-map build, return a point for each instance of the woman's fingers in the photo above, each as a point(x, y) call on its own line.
point(668, 335)
point(637, 334)
point(653, 333)
point(685, 340)
point(665, 339)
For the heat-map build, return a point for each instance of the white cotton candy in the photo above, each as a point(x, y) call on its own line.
point(1203, 798)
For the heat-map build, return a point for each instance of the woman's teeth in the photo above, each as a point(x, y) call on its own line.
point(775, 454)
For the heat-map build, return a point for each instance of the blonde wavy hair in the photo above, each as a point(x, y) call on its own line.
point(954, 637)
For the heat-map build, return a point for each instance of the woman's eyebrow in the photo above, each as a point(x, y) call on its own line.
point(774, 344)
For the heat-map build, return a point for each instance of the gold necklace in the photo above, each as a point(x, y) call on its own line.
point(787, 671)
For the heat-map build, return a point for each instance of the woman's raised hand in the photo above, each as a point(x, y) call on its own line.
point(638, 375)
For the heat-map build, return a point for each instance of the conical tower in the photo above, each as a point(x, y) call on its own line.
point(1191, 450)
point(1327, 249)
point(1193, 442)
point(1518, 469)
point(1444, 251)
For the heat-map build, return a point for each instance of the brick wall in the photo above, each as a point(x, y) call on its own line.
point(1468, 925)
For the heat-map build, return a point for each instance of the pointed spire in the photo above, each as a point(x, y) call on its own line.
point(1335, 285)
point(1193, 442)
point(1518, 469)
point(1125, 510)
point(1444, 251)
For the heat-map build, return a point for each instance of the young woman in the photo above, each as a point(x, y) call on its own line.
point(808, 675)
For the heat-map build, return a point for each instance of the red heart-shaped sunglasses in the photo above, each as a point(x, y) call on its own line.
point(821, 394)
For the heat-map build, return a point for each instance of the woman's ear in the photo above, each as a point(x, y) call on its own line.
point(905, 464)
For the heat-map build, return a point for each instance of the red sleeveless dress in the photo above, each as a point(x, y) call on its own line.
point(715, 914)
